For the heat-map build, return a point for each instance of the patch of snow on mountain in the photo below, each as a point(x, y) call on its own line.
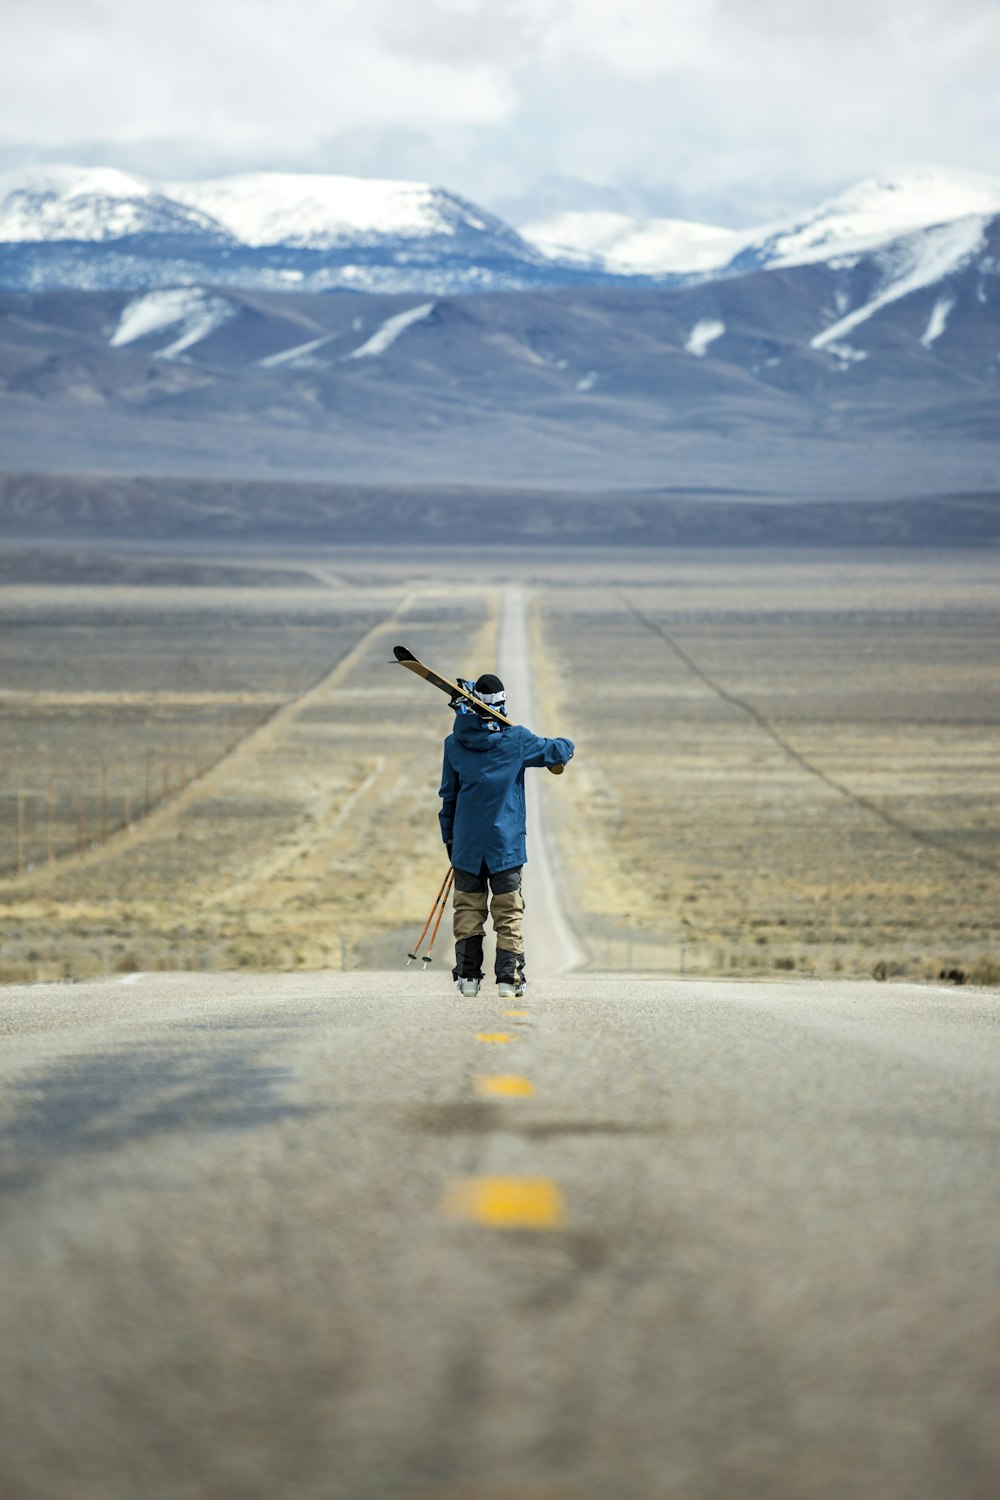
point(846, 354)
point(938, 321)
point(87, 203)
point(704, 332)
point(315, 210)
point(910, 264)
point(651, 247)
point(198, 313)
point(300, 354)
point(389, 331)
point(879, 209)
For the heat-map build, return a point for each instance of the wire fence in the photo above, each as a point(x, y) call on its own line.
point(51, 813)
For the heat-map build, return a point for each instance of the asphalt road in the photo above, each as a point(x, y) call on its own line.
point(340, 1237)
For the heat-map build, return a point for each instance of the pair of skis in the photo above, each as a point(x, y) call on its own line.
point(455, 690)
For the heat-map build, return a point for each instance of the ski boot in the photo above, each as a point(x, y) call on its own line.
point(468, 986)
point(511, 991)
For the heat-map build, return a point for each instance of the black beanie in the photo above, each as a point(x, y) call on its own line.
point(489, 683)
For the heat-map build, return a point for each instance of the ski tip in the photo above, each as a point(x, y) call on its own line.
point(401, 654)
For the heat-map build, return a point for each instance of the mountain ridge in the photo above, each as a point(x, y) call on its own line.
point(864, 372)
point(103, 229)
point(863, 217)
point(64, 226)
point(820, 380)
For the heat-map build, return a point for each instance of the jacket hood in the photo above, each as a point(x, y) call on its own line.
point(472, 732)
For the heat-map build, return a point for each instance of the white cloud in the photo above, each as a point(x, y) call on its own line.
point(235, 71)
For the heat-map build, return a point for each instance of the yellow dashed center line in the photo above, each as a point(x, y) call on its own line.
point(507, 1202)
point(505, 1086)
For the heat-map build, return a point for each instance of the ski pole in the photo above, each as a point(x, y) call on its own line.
point(447, 892)
point(449, 875)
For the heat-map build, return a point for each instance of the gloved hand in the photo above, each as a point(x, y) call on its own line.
point(457, 703)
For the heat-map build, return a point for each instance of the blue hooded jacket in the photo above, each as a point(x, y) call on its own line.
point(482, 791)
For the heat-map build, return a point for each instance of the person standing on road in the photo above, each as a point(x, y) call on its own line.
point(483, 826)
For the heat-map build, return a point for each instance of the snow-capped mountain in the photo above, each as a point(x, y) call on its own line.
point(103, 229)
point(95, 204)
point(305, 210)
point(871, 214)
point(864, 375)
point(321, 211)
point(650, 247)
point(863, 218)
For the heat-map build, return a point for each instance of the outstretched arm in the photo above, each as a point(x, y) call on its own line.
point(538, 751)
point(450, 785)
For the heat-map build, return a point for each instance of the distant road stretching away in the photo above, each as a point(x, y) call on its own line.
point(551, 945)
point(348, 1237)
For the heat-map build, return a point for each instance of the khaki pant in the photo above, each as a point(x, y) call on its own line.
point(472, 899)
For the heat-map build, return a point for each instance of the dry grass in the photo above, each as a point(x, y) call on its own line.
point(706, 827)
point(314, 834)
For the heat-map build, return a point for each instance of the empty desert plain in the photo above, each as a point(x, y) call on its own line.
point(786, 762)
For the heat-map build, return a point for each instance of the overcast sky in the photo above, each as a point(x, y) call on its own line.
point(732, 110)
